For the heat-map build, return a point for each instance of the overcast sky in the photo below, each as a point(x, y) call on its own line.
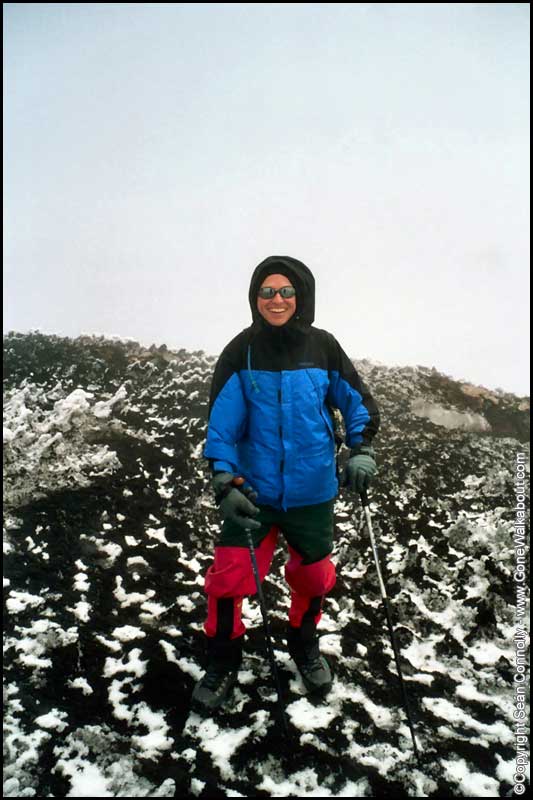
point(155, 153)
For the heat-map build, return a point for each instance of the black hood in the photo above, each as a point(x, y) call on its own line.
point(301, 278)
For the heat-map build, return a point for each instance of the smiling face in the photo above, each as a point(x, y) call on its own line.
point(277, 310)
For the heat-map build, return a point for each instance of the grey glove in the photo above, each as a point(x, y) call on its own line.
point(360, 468)
point(236, 505)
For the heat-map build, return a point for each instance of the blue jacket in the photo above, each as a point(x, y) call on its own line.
point(271, 395)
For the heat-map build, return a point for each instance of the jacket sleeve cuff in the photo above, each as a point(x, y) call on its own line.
point(359, 440)
point(362, 447)
point(222, 466)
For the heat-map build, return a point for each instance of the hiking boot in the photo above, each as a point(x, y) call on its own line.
point(224, 660)
point(313, 667)
point(214, 688)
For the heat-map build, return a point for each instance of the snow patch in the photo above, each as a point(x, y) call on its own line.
point(470, 784)
point(450, 418)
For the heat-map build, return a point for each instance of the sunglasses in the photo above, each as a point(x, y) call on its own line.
point(267, 292)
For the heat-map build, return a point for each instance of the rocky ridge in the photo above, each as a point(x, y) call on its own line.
point(108, 529)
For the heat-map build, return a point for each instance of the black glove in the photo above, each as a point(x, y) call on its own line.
point(236, 504)
point(360, 468)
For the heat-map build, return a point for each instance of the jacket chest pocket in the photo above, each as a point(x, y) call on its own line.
point(327, 419)
point(318, 392)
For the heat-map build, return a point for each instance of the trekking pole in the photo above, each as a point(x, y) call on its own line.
point(266, 627)
point(366, 508)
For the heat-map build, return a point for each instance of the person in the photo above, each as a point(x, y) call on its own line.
point(270, 422)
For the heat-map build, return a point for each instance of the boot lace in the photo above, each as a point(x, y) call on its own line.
point(214, 676)
point(313, 663)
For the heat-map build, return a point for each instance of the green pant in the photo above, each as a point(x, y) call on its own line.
point(307, 529)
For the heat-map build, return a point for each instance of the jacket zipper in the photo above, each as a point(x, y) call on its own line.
point(280, 434)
